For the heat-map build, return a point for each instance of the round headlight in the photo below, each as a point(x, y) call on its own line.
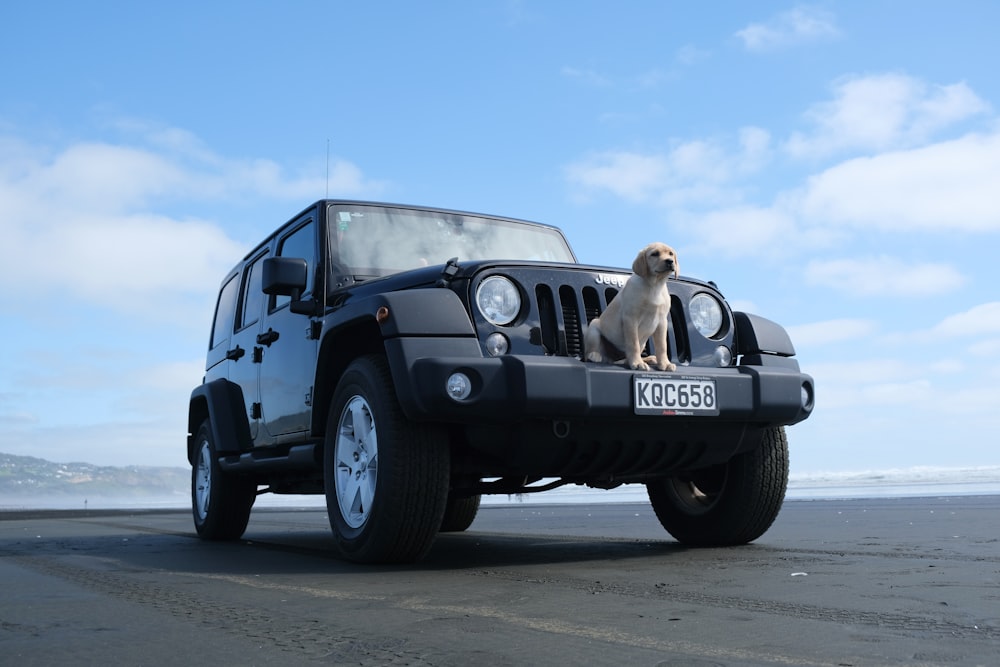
point(498, 300)
point(706, 314)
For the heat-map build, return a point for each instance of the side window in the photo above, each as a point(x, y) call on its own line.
point(300, 243)
point(253, 294)
point(224, 311)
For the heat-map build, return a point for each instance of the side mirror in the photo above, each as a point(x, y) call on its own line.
point(285, 276)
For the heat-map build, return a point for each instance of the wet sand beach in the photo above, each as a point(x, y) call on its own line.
point(892, 581)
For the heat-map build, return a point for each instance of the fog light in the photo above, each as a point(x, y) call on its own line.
point(723, 356)
point(807, 397)
point(497, 344)
point(458, 386)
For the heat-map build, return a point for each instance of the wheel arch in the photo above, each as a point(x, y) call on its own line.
point(221, 402)
point(338, 349)
point(363, 327)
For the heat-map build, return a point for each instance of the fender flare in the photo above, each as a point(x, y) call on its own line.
point(759, 335)
point(221, 402)
point(412, 312)
point(383, 323)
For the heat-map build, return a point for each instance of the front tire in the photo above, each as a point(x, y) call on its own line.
point(729, 504)
point(386, 477)
point(220, 503)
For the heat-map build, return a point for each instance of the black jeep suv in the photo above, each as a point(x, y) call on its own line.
point(404, 361)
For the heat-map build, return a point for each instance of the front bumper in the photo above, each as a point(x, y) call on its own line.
point(513, 388)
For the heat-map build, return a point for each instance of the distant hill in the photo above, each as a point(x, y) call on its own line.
point(26, 481)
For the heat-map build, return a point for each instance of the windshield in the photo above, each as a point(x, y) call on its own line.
point(378, 240)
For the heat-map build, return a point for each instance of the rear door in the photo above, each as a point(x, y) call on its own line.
point(243, 355)
point(222, 329)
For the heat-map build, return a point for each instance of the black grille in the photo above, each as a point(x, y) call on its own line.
point(565, 310)
point(561, 302)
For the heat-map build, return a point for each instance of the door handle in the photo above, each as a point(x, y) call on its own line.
point(235, 353)
point(267, 337)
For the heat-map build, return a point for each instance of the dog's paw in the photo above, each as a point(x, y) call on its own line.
point(595, 357)
point(639, 365)
point(667, 366)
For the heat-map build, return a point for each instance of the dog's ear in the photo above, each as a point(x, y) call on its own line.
point(677, 267)
point(640, 266)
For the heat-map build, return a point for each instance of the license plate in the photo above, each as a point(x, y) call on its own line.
point(681, 396)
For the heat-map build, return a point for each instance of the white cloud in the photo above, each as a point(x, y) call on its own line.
point(79, 222)
point(149, 441)
point(986, 349)
point(945, 187)
point(755, 149)
point(948, 186)
point(801, 25)
point(884, 276)
point(586, 76)
point(975, 400)
point(948, 366)
point(940, 187)
point(142, 264)
point(690, 54)
point(96, 177)
point(942, 388)
point(868, 382)
point(741, 231)
point(883, 111)
point(111, 291)
point(631, 176)
point(980, 320)
point(896, 393)
point(830, 331)
point(693, 172)
point(653, 78)
point(858, 372)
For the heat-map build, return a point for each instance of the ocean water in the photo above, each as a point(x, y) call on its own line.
point(898, 483)
point(895, 483)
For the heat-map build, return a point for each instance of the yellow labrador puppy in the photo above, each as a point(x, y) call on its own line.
point(637, 312)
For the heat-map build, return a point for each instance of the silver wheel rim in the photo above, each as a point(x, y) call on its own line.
point(203, 480)
point(697, 496)
point(691, 498)
point(356, 462)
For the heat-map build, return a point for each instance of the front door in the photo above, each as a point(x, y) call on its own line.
point(288, 369)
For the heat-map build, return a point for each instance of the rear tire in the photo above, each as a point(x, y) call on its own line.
point(460, 513)
point(729, 504)
point(220, 503)
point(386, 477)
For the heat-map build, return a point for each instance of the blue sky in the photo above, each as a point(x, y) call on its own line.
point(832, 166)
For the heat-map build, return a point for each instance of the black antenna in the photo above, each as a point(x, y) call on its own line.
point(328, 168)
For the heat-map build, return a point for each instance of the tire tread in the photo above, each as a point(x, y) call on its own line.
point(754, 492)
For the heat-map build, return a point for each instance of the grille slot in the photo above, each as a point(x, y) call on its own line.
point(548, 325)
point(571, 321)
point(677, 336)
point(592, 302)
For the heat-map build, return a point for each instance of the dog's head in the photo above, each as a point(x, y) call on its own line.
point(656, 259)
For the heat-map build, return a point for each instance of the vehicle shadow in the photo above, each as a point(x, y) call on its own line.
point(287, 544)
point(451, 551)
